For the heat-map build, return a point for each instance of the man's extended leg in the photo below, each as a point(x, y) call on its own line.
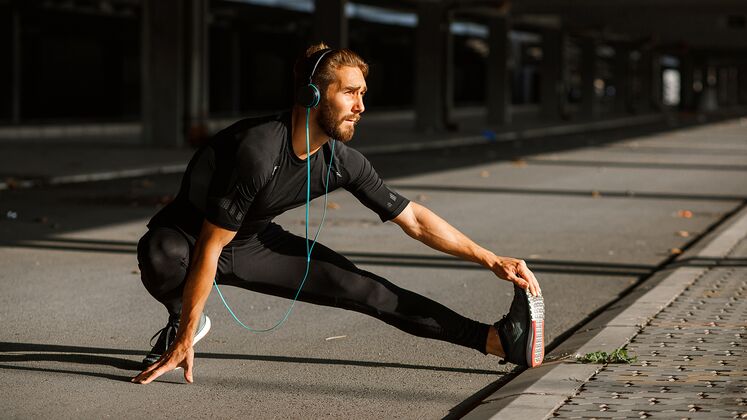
point(276, 264)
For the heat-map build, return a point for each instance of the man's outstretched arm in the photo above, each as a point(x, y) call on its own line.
point(197, 286)
point(425, 226)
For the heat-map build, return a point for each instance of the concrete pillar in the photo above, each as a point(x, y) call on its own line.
point(588, 69)
point(622, 78)
point(722, 85)
point(657, 92)
point(552, 70)
point(687, 80)
point(498, 98)
point(198, 66)
point(645, 76)
point(432, 64)
point(17, 70)
point(709, 97)
point(742, 81)
point(330, 23)
point(733, 95)
point(163, 72)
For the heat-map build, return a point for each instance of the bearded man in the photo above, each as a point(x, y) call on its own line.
point(219, 228)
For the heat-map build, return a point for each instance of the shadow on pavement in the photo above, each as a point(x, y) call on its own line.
point(33, 352)
point(120, 378)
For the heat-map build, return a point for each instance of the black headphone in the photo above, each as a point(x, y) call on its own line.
point(308, 96)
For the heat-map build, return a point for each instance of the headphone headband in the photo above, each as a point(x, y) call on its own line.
point(321, 54)
point(309, 95)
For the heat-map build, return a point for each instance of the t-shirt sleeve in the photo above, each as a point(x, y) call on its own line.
point(232, 191)
point(366, 185)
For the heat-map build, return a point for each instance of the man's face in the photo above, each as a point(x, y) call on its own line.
point(342, 105)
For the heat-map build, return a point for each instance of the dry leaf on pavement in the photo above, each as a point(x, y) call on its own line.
point(685, 214)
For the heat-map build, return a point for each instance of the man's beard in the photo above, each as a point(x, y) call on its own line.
point(336, 129)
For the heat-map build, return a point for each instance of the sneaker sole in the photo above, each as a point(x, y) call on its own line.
point(203, 332)
point(536, 338)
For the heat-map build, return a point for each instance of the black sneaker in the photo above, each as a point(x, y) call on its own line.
point(522, 329)
point(167, 334)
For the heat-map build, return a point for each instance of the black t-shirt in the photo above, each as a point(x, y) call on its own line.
point(248, 174)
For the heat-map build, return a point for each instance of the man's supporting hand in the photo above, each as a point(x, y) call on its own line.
point(177, 356)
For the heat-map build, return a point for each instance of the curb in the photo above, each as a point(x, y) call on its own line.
point(537, 393)
point(96, 176)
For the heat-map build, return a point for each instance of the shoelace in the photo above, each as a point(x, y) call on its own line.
point(167, 329)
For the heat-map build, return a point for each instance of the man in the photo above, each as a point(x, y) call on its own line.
point(220, 227)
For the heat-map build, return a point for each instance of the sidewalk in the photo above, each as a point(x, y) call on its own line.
point(690, 354)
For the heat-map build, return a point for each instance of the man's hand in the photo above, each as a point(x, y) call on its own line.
point(516, 271)
point(178, 355)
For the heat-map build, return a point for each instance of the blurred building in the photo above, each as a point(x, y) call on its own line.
point(172, 70)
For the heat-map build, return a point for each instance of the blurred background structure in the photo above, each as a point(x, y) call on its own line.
point(167, 73)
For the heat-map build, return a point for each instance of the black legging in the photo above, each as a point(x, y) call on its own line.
point(274, 263)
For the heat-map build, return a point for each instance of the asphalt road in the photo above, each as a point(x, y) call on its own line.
point(591, 220)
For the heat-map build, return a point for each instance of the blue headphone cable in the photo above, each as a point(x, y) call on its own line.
point(308, 248)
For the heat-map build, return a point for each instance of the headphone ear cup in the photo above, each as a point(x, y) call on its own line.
point(308, 96)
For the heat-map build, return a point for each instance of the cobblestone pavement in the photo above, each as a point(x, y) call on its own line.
point(691, 359)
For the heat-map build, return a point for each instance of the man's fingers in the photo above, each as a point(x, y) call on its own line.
point(188, 371)
point(153, 371)
point(532, 281)
point(144, 373)
point(153, 375)
point(520, 281)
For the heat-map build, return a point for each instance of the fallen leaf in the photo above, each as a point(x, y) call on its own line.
point(484, 174)
point(686, 214)
point(683, 233)
point(675, 251)
point(596, 194)
point(518, 162)
point(332, 205)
